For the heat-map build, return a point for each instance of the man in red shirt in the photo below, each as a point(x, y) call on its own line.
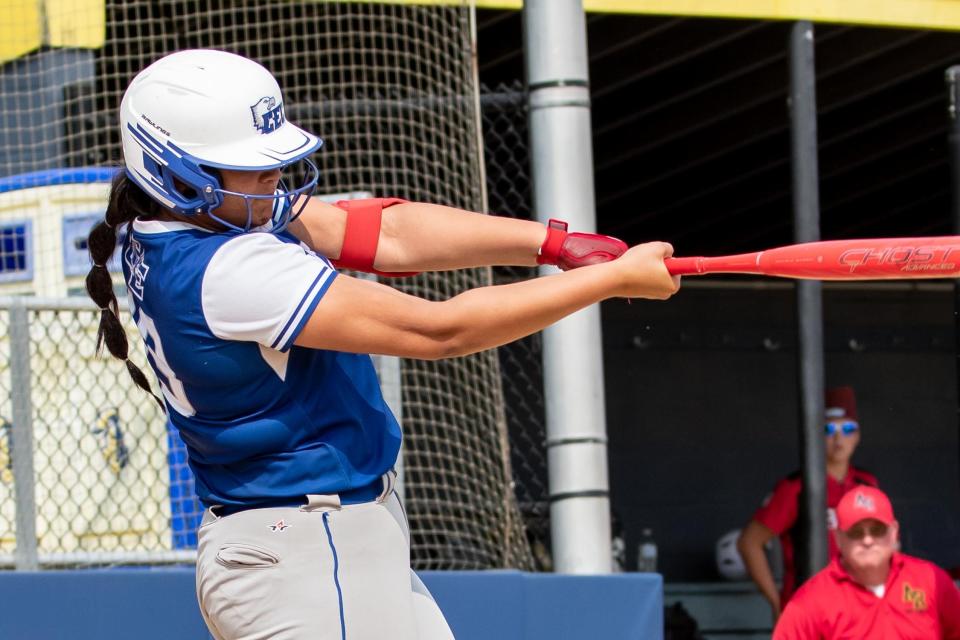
point(871, 590)
point(778, 514)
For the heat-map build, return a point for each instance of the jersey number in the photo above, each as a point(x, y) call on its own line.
point(170, 385)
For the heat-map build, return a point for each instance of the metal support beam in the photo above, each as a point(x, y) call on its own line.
point(389, 372)
point(25, 553)
point(953, 90)
point(562, 169)
point(812, 552)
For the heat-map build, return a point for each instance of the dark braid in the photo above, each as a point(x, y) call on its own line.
point(127, 201)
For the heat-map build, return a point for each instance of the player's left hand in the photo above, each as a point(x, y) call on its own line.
point(572, 250)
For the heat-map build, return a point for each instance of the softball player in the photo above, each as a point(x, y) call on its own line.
point(258, 343)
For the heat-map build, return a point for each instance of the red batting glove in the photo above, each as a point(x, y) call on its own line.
point(572, 250)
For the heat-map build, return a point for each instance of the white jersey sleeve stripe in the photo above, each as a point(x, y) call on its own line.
point(303, 310)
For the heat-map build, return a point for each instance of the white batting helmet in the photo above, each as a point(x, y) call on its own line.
point(196, 111)
point(729, 563)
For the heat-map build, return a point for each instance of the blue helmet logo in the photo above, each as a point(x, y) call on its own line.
point(267, 114)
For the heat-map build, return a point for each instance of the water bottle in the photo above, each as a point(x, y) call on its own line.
point(647, 554)
point(618, 549)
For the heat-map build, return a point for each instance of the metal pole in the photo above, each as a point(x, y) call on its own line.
point(812, 552)
point(562, 169)
point(21, 450)
point(953, 90)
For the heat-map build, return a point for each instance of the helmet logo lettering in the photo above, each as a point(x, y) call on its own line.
point(155, 125)
point(267, 114)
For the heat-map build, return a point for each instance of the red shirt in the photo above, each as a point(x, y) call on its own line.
point(920, 602)
point(779, 514)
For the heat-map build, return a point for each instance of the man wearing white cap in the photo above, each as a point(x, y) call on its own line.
point(871, 590)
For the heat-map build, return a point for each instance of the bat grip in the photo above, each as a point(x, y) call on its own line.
point(684, 266)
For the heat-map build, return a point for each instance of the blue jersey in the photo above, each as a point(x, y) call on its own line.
point(263, 420)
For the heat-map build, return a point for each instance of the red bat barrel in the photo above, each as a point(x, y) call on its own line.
point(868, 259)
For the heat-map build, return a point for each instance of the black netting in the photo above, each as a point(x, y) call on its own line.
point(509, 193)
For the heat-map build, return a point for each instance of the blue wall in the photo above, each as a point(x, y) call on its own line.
point(160, 604)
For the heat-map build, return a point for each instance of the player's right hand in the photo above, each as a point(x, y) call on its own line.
point(643, 273)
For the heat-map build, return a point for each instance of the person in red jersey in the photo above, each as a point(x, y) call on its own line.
point(779, 512)
point(871, 590)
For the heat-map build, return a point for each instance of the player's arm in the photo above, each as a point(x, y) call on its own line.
point(365, 317)
point(777, 514)
point(413, 236)
point(750, 544)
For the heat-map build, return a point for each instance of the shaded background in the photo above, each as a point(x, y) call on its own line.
point(691, 145)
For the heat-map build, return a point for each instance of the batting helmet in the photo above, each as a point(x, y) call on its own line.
point(729, 563)
point(196, 111)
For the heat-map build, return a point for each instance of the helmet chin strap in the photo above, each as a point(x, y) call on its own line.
point(229, 225)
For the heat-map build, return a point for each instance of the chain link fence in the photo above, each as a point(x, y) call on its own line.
point(90, 474)
point(392, 89)
point(509, 193)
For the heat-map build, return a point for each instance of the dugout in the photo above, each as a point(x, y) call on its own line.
point(692, 145)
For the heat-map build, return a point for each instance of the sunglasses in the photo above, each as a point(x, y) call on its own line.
point(875, 529)
point(847, 427)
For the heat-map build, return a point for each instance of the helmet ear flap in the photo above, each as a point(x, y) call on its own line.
point(168, 174)
point(185, 190)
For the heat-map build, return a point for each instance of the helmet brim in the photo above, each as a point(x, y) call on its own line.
point(289, 143)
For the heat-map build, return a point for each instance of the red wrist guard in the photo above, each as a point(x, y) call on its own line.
point(572, 250)
point(362, 235)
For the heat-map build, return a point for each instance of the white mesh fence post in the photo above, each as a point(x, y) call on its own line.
point(21, 450)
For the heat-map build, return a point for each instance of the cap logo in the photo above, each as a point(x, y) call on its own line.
point(866, 503)
point(835, 412)
point(267, 114)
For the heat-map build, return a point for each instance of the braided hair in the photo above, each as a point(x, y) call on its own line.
point(127, 202)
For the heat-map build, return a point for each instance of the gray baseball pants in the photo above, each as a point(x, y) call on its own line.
point(323, 571)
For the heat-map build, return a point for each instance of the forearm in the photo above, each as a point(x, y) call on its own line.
point(386, 321)
point(428, 237)
point(492, 316)
point(755, 560)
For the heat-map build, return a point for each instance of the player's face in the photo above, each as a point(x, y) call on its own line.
point(868, 545)
point(234, 208)
point(842, 438)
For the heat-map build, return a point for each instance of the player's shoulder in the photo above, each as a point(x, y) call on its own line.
point(176, 242)
point(255, 238)
point(784, 493)
point(862, 476)
point(919, 566)
point(257, 248)
point(821, 583)
point(792, 481)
